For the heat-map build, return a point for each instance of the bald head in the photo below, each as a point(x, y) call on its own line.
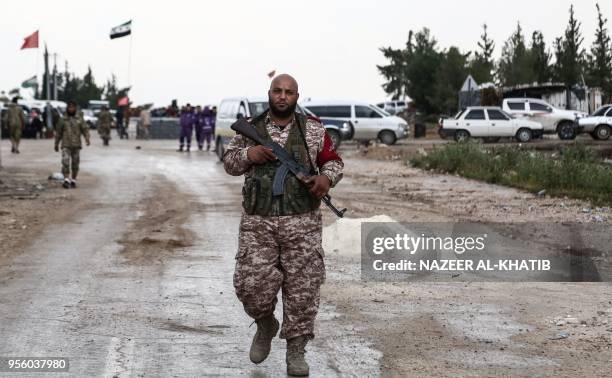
point(283, 96)
point(284, 80)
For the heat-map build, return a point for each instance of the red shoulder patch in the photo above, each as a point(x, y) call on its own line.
point(313, 118)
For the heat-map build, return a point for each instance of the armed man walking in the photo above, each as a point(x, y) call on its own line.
point(16, 124)
point(280, 236)
point(68, 132)
point(105, 121)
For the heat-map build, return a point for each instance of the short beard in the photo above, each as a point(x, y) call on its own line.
point(282, 113)
point(70, 114)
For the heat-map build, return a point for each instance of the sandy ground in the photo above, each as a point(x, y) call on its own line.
point(130, 275)
point(470, 329)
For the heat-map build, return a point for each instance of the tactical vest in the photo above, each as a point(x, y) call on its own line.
point(257, 190)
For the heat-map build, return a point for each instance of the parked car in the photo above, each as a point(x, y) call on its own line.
point(393, 107)
point(231, 109)
point(490, 123)
point(564, 123)
point(90, 118)
point(369, 121)
point(598, 124)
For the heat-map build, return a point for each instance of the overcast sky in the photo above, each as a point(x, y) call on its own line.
point(201, 52)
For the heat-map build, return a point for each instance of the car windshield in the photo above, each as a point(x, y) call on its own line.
point(459, 114)
point(381, 111)
point(256, 108)
point(601, 111)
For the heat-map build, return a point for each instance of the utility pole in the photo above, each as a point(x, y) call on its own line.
point(55, 76)
point(48, 83)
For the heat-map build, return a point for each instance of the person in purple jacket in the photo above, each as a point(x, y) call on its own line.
point(208, 127)
point(187, 123)
point(199, 124)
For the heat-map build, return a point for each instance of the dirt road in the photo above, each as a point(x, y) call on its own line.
point(131, 275)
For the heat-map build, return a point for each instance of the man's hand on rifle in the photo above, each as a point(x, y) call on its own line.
point(319, 185)
point(260, 154)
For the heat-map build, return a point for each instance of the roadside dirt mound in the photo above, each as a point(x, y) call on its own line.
point(158, 232)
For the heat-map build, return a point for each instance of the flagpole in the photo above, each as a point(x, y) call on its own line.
point(130, 62)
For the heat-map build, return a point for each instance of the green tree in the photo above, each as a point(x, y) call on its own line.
point(412, 71)
point(88, 89)
point(483, 64)
point(395, 72)
point(569, 53)
point(599, 67)
point(422, 66)
point(515, 65)
point(451, 73)
point(540, 58)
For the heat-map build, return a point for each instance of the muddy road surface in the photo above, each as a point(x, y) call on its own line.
point(130, 274)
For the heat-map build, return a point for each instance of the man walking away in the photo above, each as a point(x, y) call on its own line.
point(208, 127)
point(68, 133)
point(126, 120)
point(119, 116)
point(187, 121)
point(198, 122)
point(16, 123)
point(105, 121)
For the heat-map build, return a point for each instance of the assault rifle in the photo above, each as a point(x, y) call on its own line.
point(288, 163)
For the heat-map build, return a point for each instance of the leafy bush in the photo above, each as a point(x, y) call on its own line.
point(577, 172)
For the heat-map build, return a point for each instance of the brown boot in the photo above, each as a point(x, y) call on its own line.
point(296, 364)
point(262, 341)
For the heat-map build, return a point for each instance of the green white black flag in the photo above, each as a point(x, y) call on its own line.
point(121, 30)
point(30, 83)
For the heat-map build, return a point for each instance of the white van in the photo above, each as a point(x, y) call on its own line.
point(370, 122)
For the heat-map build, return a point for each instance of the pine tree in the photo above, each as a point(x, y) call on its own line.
point(540, 58)
point(569, 53)
point(482, 64)
point(450, 76)
point(599, 65)
point(515, 66)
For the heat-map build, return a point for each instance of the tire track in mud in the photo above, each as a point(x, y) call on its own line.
point(159, 231)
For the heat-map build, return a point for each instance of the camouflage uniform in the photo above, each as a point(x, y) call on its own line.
point(105, 120)
point(68, 132)
point(282, 251)
point(16, 123)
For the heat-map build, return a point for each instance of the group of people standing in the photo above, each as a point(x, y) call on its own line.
point(203, 121)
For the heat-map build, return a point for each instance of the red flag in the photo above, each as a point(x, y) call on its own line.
point(31, 41)
point(271, 74)
point(123, 101)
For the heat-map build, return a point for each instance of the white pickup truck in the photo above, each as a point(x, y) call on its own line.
point(489, 123)
point(564, 123)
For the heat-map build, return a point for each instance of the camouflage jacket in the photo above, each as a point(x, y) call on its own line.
point(320, 147)
point(14, 116)
point(69, 131)
point(105, 119)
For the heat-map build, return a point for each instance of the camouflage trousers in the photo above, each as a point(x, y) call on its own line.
point(70, 160)
point(15, 135)
point(281, 253)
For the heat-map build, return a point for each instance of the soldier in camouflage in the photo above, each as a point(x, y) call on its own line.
point(16, 123)
point(105, 121)
point(68, 131)
point(280, 237)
